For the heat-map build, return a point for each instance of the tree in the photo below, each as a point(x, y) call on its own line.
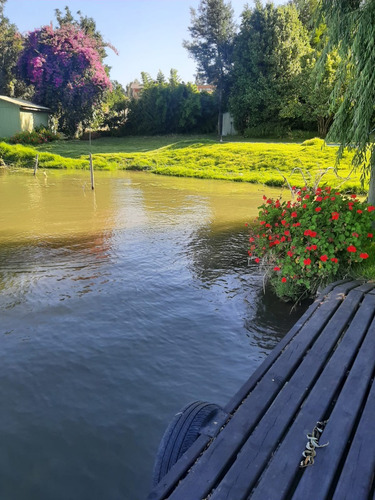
point(267, 58)
point(10, 48)
point(351, 28)
point(170, 107)
point(311, 94)
point(212, 31)
point(64, 66)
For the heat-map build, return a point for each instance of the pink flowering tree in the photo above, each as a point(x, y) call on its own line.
point(65, 67)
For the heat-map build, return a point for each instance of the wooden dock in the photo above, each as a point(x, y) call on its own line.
point(322, 371)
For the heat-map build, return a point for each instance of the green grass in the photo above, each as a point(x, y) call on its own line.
point(192, 156)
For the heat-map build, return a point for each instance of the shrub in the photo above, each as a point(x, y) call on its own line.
point(38, 136)
point(306, 243)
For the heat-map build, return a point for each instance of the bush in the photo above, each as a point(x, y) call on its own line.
point(307, 243)
point(38, 136)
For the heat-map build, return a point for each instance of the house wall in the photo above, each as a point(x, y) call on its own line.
point(9, 119)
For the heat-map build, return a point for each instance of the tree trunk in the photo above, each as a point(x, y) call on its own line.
point(220, 116)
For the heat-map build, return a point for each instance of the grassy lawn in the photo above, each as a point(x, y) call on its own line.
point(196, 156)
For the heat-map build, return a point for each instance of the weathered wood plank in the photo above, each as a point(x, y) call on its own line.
point(319, 478)
point(204, 474)
point(256, 452)
point(277, 480)
point(358, 471)
point(335, 292)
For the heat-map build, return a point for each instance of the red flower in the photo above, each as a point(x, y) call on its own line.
point(359, 211)
point(353, 196)
point(287, 232)
point(351, 248)
point(318, 209)
point(307, 196)
point(296, 224)
point(318, 198)
point(277, 268)
point(290, 253)
point(251, 239)
point(283, 280)
point(369, 235)
point(304, 188)
point(355, 234)
point(335, 215)
point(324, 258)
point(370, 208)
point(304, 205)
point(262, 222)
point(333, 259)
point(283, 222)
point(313, 247)
point(363, 255)
point(333, 198)
point(268, 225)
point(293, 214)
point(257, 260)
point(307, 262)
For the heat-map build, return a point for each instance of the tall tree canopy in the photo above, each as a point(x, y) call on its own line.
point(64, 65)
point(268, 57)
point(10, 48)
point(212, 34)
point(351, 27)
point(166, 107)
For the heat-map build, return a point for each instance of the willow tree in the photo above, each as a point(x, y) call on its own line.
point(212, 34)
point(351, 28)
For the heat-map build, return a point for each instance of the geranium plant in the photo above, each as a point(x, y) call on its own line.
point(311, 240)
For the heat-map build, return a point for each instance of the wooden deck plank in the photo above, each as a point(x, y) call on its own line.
point(334, 292)
point(276, 481)
point(203, 475)
point(319, 478)
point(256, 452)
point(355, 480)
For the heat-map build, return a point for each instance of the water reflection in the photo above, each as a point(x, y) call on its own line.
point(118, 307)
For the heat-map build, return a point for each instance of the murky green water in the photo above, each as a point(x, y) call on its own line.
point(118, 307)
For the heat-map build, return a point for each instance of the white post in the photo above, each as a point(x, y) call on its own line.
point(91, 172)
point(36, 164)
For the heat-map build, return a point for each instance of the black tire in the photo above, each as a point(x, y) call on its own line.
point(181, 433)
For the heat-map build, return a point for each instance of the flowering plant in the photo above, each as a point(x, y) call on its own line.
point(309, 241)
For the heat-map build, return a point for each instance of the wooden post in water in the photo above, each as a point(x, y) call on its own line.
point(36, 164)
point(91, 172)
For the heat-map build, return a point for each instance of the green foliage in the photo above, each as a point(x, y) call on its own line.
point(212, 34)
point(267, 59)
point(351, 28)
point(24, 157)
point(112, 112)
point(40, 135)
point(10, 48)
point(165, 108)
point(263, 163)
point(307, 243)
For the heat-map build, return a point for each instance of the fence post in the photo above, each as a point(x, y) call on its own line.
point(91, 172)
point(36, 164)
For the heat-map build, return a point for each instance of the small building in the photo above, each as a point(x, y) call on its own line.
point(228, 127)
point(17, 115)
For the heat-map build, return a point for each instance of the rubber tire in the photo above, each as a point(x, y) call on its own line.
point(181, 433)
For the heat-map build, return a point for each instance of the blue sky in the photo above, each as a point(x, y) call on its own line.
point(147, 33)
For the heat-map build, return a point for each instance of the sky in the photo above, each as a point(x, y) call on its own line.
point(148, 34)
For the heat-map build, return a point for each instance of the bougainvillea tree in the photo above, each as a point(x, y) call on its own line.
point(65, 67)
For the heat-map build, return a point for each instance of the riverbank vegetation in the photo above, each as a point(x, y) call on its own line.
point(263, 163)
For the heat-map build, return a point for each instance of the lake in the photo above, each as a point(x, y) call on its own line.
point(118, 307)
